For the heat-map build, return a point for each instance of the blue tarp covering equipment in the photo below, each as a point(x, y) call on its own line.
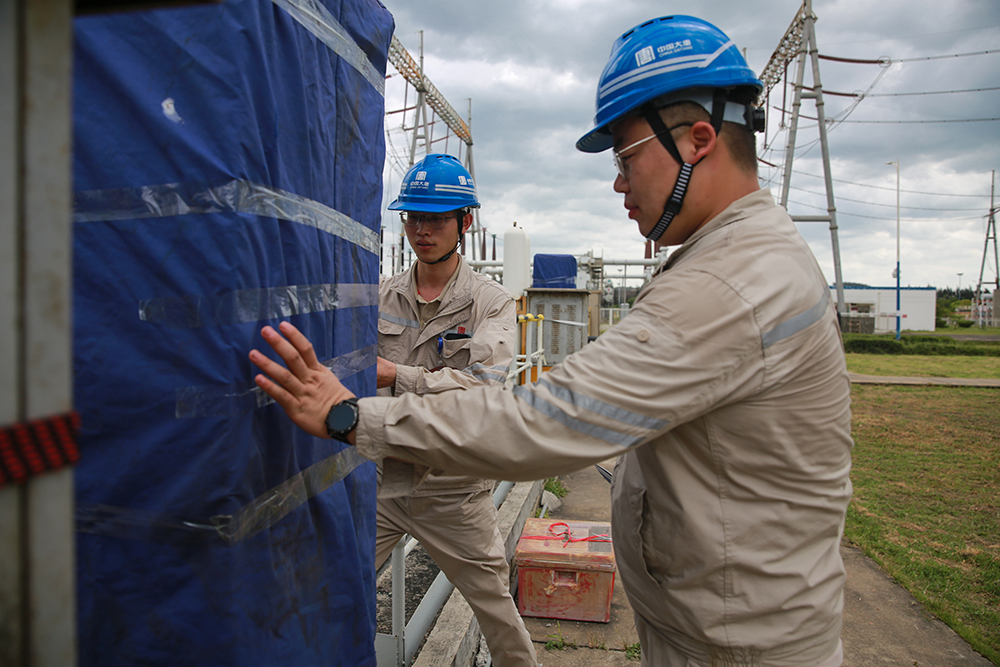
point(227, 175)
point(554, 271)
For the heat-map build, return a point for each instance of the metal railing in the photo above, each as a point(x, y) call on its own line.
point(532, 339)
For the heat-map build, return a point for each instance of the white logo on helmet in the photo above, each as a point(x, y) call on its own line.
point(644, 56)
point(674, 47)
point(461, 179)
point(421, 175)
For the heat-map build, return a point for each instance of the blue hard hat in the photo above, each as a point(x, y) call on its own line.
point(436, 184)
point(666, 60)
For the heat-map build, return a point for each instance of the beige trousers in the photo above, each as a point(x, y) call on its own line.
point(659, 652)
point(459, 531)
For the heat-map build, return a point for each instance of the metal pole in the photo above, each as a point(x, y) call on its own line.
point(399, 602)
point(38, 611)
point(898, 318)
point(817, 94)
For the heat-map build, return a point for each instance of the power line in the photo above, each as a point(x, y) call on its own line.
point(893, 189)
point(915, 122)
point(954, 55)
point(863, 95)
point(878, 217)
point(878, 187)
point(899, 122)
point(886, 61)
point(869, 203)
point(934, 92)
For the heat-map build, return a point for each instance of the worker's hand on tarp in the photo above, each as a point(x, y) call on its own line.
point(306, 389)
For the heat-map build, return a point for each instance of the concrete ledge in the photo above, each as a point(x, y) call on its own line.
point(857, 378)
point(454, 639)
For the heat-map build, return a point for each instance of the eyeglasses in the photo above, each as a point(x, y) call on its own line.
point(433, 220)
point(620, 161)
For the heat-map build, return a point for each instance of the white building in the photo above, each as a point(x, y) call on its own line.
point(918, 306)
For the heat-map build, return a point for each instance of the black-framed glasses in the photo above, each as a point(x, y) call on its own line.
point(432, 220)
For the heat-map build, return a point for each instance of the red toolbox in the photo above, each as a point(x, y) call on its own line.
point(565, 569)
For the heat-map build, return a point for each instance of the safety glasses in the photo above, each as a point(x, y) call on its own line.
point(432, 220)
point(620, 159)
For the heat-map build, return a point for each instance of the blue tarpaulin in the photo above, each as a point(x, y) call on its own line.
point(227, 175)
point(554, 271)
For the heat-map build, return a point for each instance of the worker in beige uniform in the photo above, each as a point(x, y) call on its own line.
point(724, 391)
point(443, 326)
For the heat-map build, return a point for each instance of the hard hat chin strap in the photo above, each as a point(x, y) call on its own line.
point(676, 199)
point(673, 203)
point(448, 254)
point(461, 235)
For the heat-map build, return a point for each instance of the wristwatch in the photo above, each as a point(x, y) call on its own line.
point(342, 419)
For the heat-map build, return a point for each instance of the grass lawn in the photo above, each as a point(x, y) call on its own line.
point(924, 366)
point(926, 507)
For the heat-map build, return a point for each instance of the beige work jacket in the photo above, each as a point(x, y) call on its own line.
point(726, 394)
point(468, 343)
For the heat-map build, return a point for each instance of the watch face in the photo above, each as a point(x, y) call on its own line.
point(342, 418)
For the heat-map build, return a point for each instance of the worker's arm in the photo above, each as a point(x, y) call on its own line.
point(665, 364)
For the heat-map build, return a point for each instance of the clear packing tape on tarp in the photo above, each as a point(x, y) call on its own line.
point(218, 400)
point(256, 516)
point(317, 19)
point(236, 196)
point(253, 305)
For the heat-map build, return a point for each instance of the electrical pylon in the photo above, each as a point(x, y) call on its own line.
point(799, 42)
point(422, 129)
point(991, 235)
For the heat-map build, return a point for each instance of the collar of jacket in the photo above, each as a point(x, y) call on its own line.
point(457, 298)
point(742, 208)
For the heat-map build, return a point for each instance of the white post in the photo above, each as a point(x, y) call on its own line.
point(898, 318)
point(37, 537)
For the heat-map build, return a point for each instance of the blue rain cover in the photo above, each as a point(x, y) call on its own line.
point(228, 174)
point(554, 271)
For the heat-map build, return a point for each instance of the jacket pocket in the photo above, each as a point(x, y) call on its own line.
point(456, 352)
point(632, 524)
point(389, 337)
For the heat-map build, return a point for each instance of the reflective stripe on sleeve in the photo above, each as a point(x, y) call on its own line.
point(792, 326)
point(554, 412)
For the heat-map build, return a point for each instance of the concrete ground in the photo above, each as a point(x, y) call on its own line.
point(883, 624)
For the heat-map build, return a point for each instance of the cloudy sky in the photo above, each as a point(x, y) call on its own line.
point(531, 71)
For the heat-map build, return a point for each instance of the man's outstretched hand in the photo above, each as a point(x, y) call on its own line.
point(306, 389)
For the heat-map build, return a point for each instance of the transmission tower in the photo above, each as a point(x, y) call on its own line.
point(799, 42)
point(422, 129)
point(991, 235)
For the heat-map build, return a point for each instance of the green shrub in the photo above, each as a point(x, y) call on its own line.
point(873, 345)
point(908, 339)
point(917, 344)
point(965, 324)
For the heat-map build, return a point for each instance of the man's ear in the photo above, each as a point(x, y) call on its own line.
point(703, 139)
point(466, 222)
